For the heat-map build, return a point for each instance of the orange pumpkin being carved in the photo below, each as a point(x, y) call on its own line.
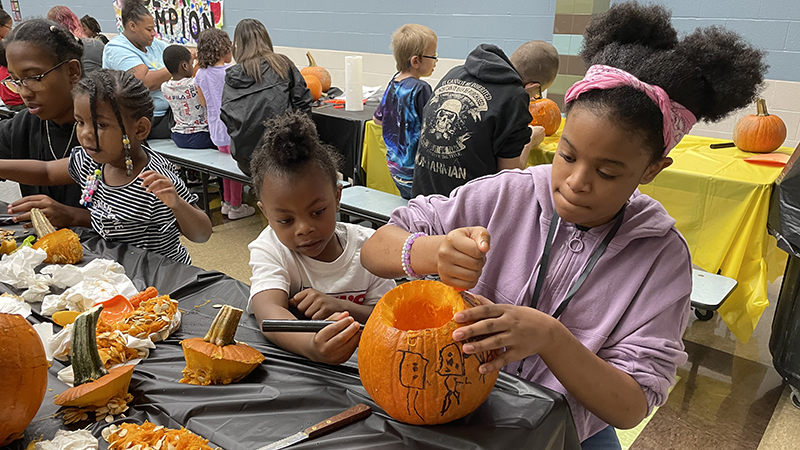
point(23, 367)
point(312, 83)
point(217, 358)
point(545, 114)
point(761, 132)
point(321, 73)
point(409, 363)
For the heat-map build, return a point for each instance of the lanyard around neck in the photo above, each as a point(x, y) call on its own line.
point(586, 271)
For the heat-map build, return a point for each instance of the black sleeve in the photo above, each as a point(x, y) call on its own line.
point(6, 138)
point(515, 133)
point(299, 94)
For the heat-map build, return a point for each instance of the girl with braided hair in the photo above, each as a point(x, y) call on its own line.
point(586, 288)
point(133, 194)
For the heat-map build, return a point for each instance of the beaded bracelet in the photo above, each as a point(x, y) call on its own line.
point(405, 256)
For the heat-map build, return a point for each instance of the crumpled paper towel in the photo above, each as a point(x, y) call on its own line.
point(16, 270)
point(97, 281)
point(70, 440)
point(45, 332)
point(11, 304)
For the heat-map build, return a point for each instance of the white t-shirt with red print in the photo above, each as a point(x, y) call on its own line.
point(276, 267)
point(183, 98)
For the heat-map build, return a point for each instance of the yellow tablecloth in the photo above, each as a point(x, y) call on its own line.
point(720, 204)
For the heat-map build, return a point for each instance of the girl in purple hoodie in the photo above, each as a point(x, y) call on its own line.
point(586, 287)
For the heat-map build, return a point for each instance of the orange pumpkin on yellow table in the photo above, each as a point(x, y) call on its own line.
point(321, 73)
point(545, 114)
point(760, 132)
point(23, 369)
point(409, 363)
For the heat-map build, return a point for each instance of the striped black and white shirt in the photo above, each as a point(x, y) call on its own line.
point(131, 215)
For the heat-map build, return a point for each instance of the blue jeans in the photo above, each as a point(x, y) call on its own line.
point(605, 439)
point(193, 140)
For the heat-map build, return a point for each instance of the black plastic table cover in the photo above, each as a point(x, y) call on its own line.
point(286, 393)
point(345, 131)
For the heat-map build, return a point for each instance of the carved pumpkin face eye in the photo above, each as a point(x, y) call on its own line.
point(409, 363)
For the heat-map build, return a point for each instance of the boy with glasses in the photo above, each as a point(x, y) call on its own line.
point(400, 111)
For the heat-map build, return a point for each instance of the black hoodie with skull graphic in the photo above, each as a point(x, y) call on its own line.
point(478, 113)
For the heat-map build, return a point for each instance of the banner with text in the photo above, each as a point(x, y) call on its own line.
point(179, 21)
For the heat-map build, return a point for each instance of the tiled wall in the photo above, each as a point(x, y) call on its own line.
point(569, 23)
point(336, 29)
point(367, 25)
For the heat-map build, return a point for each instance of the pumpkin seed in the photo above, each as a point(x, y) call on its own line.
point(122, 433)
point(218, 305)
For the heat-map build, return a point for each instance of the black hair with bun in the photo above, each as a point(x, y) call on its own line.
point(122, 90)
point(50, 36)
point(291, 143)
point(711, 71)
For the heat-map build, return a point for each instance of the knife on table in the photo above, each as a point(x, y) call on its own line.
point(353, 414)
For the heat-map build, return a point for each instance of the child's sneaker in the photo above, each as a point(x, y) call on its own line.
point(226, 208)
point(241, 211)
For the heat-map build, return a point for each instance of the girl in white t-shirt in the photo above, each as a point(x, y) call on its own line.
point(304, 262)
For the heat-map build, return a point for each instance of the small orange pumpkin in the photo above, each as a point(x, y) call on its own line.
point(23, 366)
point(313, 85)
point(545, 114)
point(760, 132)
point(409, 363)
point(217, 358)
point(321, 73)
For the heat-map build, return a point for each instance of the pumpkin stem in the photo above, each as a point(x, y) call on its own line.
point(223, 328)
point(86, 363)
point(761, 107)
point(311, 62)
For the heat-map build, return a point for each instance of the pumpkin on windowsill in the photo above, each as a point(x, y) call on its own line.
point(321, 73)
point(23, 366)
point(94, 385)
point(409, 363)
point(545, 114)
point(217, 358)
point(760, 132)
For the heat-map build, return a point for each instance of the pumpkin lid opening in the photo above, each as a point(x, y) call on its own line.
point(423, 305)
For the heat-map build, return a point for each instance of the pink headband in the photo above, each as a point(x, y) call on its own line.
point(677, 119)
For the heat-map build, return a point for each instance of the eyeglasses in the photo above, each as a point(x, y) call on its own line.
point(435, 57)
point(33, 83)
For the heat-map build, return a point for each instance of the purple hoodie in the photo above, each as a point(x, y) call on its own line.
point(632, 309)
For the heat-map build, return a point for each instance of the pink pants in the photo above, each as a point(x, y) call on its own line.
point(231, 190)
